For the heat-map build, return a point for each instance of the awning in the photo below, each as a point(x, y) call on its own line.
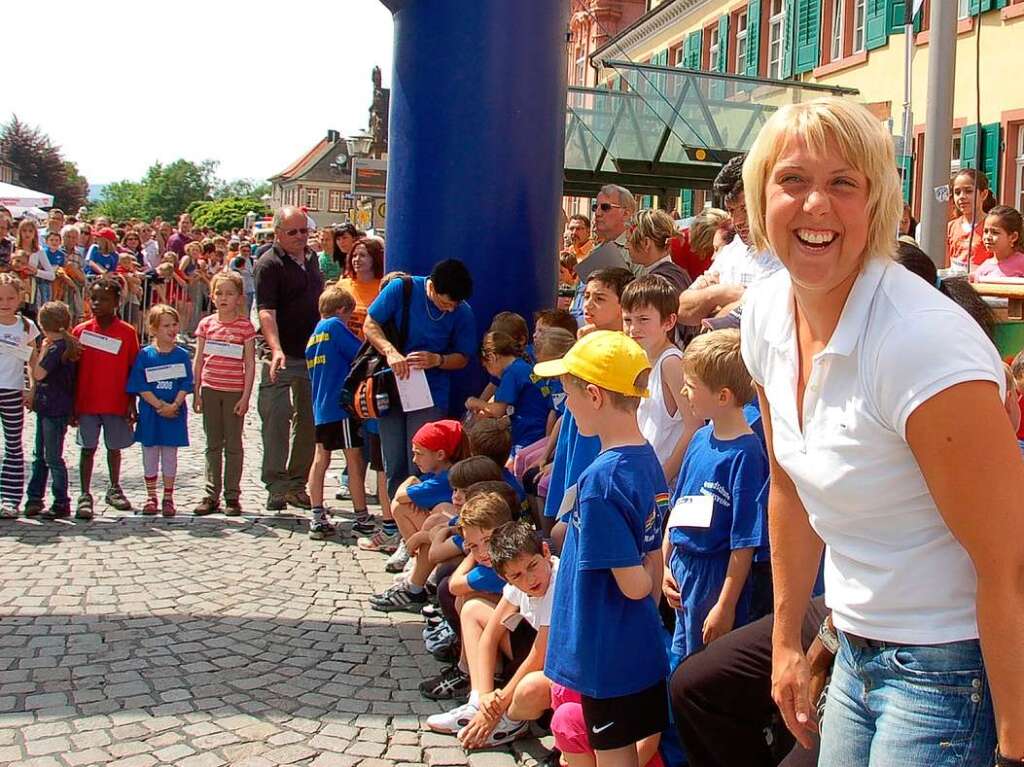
point(660, 129)
point(24, 198)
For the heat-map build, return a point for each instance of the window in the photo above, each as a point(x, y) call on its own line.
point(714, 50)
point(581, 67)
point(741, 43)
point(963, 9)
point(954, 160)
point(776, 35)
point(679, 56)
point(313, 199)
point(836, 43)
point(334, 200)
point(859, 14)
point(1019, 199)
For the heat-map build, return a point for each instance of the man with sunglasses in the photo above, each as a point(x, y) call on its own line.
point(613, 211)
point(288, 287)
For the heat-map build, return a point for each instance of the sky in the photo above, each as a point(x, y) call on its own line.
point(121, 84)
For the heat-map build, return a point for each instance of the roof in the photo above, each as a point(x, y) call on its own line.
point(304, 163)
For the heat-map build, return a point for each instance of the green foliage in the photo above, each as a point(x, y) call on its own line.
point(222, 215)
point(40, 165)
point(122, 200)
point(168, 190)
point(240, 187)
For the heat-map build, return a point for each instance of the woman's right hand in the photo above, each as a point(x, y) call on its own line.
point(791, 691)
point(398, 363)
point(670, 589)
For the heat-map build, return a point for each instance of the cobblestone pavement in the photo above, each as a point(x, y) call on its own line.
point(135, 641)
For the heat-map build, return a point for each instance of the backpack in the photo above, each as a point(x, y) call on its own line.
point(370, 390)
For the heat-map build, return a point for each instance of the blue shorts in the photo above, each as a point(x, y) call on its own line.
point(117, 432)
point(700, 579)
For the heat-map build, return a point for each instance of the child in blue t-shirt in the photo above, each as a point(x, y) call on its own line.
point(329, 354)
point(435, 447)
point(605, 641)
point(162, 377)
point(517, 395)
point(716, 522)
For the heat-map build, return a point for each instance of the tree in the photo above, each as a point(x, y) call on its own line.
point(40, 165)
point(123, 200)
point(241, 187)
point(169, 190)
point(222, 215)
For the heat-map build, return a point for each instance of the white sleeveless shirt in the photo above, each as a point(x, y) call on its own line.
point(659, 428)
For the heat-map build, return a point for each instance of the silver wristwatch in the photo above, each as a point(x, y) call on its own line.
point(828, 636)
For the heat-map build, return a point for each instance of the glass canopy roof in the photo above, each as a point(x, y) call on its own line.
point(658, 128)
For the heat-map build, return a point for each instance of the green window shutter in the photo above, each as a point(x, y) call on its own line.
point(686, 204)
point(919, 20)
point(980, 6)
point(723, 44)
point(1002, 3)
point(660, 58)
point(808, 32)
point(906, 165)
point(969, 147)
point(753, 37)
point(897, 10)
point(787, 40)
point(694, 43)
point(877, 24)
point(990, 144)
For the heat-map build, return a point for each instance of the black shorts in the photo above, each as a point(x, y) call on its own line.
point(376, 457)
point(338, 435)
point(619, 722)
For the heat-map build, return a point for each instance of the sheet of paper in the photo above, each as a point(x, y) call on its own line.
point(222, 349)
point(165, 372)
point(568, 501)
point(414, 391)
point(100, 342)
point(692, 511)
point(21, 351)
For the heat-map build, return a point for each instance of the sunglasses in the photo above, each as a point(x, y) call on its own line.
point(293, 232)
point(604, 207)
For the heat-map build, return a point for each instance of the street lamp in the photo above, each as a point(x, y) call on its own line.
point(359, 145)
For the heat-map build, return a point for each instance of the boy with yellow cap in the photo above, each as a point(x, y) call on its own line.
point(605, 640)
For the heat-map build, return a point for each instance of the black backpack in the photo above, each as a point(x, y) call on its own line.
point(370, 390)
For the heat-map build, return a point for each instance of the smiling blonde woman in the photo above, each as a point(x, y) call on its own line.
point(874, 389)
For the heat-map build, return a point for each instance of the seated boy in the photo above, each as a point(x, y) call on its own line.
point(329, 354)
point(474, 586)
point(520, 621)
point(486, 436)
point(716, 521)
point(605, 641)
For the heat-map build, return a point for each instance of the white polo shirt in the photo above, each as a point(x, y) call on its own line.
point(893, 570)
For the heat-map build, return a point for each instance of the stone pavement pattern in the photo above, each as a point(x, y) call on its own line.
point(135, 641)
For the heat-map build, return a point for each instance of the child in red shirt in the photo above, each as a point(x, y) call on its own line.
point(109, 347)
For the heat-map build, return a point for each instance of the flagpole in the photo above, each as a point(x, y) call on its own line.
point(908, 82)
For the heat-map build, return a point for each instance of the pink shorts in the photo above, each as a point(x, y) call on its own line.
point(527, 455)
point(570, 730)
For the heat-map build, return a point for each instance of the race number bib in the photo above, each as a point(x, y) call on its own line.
point(223, 349)
point(165, 372)
point(14, 349)
point(100, 342)
point(692, 511)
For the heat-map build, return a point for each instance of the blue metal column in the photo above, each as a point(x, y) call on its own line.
point(475, 146)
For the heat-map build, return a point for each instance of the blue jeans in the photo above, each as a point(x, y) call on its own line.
point(49, 460)
point(908, 705)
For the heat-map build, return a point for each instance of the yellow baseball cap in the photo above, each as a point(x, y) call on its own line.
point(605, 358)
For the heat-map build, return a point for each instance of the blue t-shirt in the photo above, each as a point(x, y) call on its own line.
point(56, 257)
point(329, 354)
point(55, 394)
point(573, 453)
point(431, 490)
point(528, 408)
point(484, 579)
point(1020, 444)
point(603, 644)
point(152, 429)
point(733, 472)
point(752, 413)
point(552, 389)
point(430, 329)
point(108, 262)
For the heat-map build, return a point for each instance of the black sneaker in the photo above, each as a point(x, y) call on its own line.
point(448, 653)
point(33, 506)
point(84, 509)
point(398, 598)
point(450, 684)
point(364, 526)
point(276, 502)
point(321, 529)
point(115, 497)
point(58, 511)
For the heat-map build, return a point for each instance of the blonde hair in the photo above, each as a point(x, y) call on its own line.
point(704, 226)
point(863, 143)
point(11, 279)
point(553, 344)
point(233, 277)
point(714, 359)
point(333, 299)
point(655, 225)
point(157, 312)
point(485, 511)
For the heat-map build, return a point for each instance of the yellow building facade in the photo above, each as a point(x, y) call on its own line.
point(856, 44)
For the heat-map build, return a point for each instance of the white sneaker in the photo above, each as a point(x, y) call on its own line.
point(452, 721)
point(506, 731)
point(8, 510)
point(397, 561)
point(439, 639)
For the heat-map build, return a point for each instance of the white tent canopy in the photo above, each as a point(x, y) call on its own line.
point(24, 198)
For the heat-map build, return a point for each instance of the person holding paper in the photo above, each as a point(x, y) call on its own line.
point(109, 347)
point(716, 522)
point(442, 336)
point(162, 377)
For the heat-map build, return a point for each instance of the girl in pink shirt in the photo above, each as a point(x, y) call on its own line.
point(1003, 238)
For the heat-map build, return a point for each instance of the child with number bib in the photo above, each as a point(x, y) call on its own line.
point(162, 377)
